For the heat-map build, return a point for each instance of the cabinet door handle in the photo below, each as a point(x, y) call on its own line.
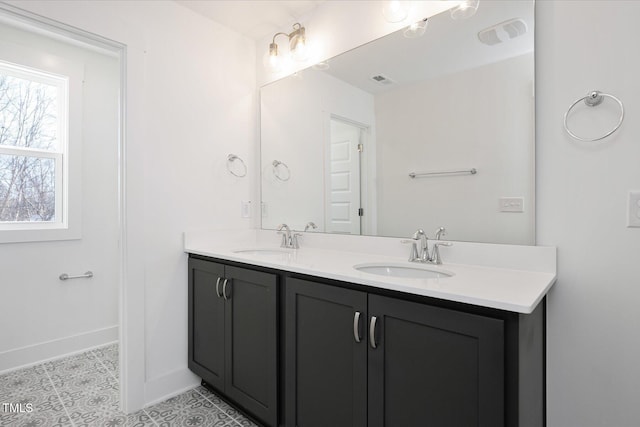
point(224, 290)
point(372, 332)
point(356, 326)
point(218, 287)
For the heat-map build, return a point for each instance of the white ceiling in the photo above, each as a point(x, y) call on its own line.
point(255, 19)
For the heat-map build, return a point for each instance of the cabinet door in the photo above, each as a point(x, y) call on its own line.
point(433, 366)
point(206, 322)
point(251, 343)
point(326, 369)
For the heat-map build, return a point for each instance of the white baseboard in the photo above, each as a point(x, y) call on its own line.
point(169, 385)
point(41, 352)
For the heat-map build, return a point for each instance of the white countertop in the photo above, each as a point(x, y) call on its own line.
point(511, 289)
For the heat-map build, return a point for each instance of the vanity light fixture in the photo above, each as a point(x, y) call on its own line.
point(465, 10)
point(395, 11)
point(297, 47)
point(416, 29)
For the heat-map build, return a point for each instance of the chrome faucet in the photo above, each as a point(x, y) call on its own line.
point(435, 255)
point(294, 240)
point(287, 241)
point(422, 255)
point(413, 256)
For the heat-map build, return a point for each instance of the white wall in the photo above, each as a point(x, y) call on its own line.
point(44, 317)
point(593, 317)
point(190, 102)
point(311, 98)
point(485, 132)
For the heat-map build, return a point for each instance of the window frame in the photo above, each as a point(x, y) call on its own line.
point(61, 83)
point(68, 72)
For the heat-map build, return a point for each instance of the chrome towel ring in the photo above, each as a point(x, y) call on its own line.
point(232, 158)
point(594, 99)
point(279, 169)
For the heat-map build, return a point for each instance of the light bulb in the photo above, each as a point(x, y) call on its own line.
point(465, 10)
point(271, 60)
point(287, 64)
point(394, 11)
point(298, 43)
point(300, 51)
point(314, 51)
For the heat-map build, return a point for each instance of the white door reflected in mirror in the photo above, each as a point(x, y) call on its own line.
point(343, 183)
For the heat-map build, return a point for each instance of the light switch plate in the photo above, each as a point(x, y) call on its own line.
point(511, 204)
point(633, 211)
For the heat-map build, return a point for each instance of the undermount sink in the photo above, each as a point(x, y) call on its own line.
point(404, 271)
point(266, 252)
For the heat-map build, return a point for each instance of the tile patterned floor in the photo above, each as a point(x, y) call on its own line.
point(83, 391)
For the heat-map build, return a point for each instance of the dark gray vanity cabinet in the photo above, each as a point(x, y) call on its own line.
point(433, 366)
point(296, 350)
point(360, 359)
point(326, 366)
point(206, 322)
point(233, 334)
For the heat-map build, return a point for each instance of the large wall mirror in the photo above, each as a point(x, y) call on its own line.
point(406, 133)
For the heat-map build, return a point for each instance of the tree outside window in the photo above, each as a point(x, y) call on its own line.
point(32, 145)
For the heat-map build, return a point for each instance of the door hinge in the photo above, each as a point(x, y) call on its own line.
point(360, 212)
point(360, 148)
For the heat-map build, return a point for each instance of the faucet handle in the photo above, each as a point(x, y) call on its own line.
point(294, 240)
point(441, 231)
point(286, 235)
point(282, 226)
point(283, 244)
point(414, 248)
point(437, 259)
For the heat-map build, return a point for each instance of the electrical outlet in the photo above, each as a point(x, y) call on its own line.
point(633, 212)
point(245, 209)
point(511, 204)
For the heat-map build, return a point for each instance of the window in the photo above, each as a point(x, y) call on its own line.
point(33, 148)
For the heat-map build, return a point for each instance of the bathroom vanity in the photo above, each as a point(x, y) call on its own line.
point(345, 331)
point(302, 338)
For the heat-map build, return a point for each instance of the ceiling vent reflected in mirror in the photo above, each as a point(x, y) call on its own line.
point(503, 32)
point(381, 79)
